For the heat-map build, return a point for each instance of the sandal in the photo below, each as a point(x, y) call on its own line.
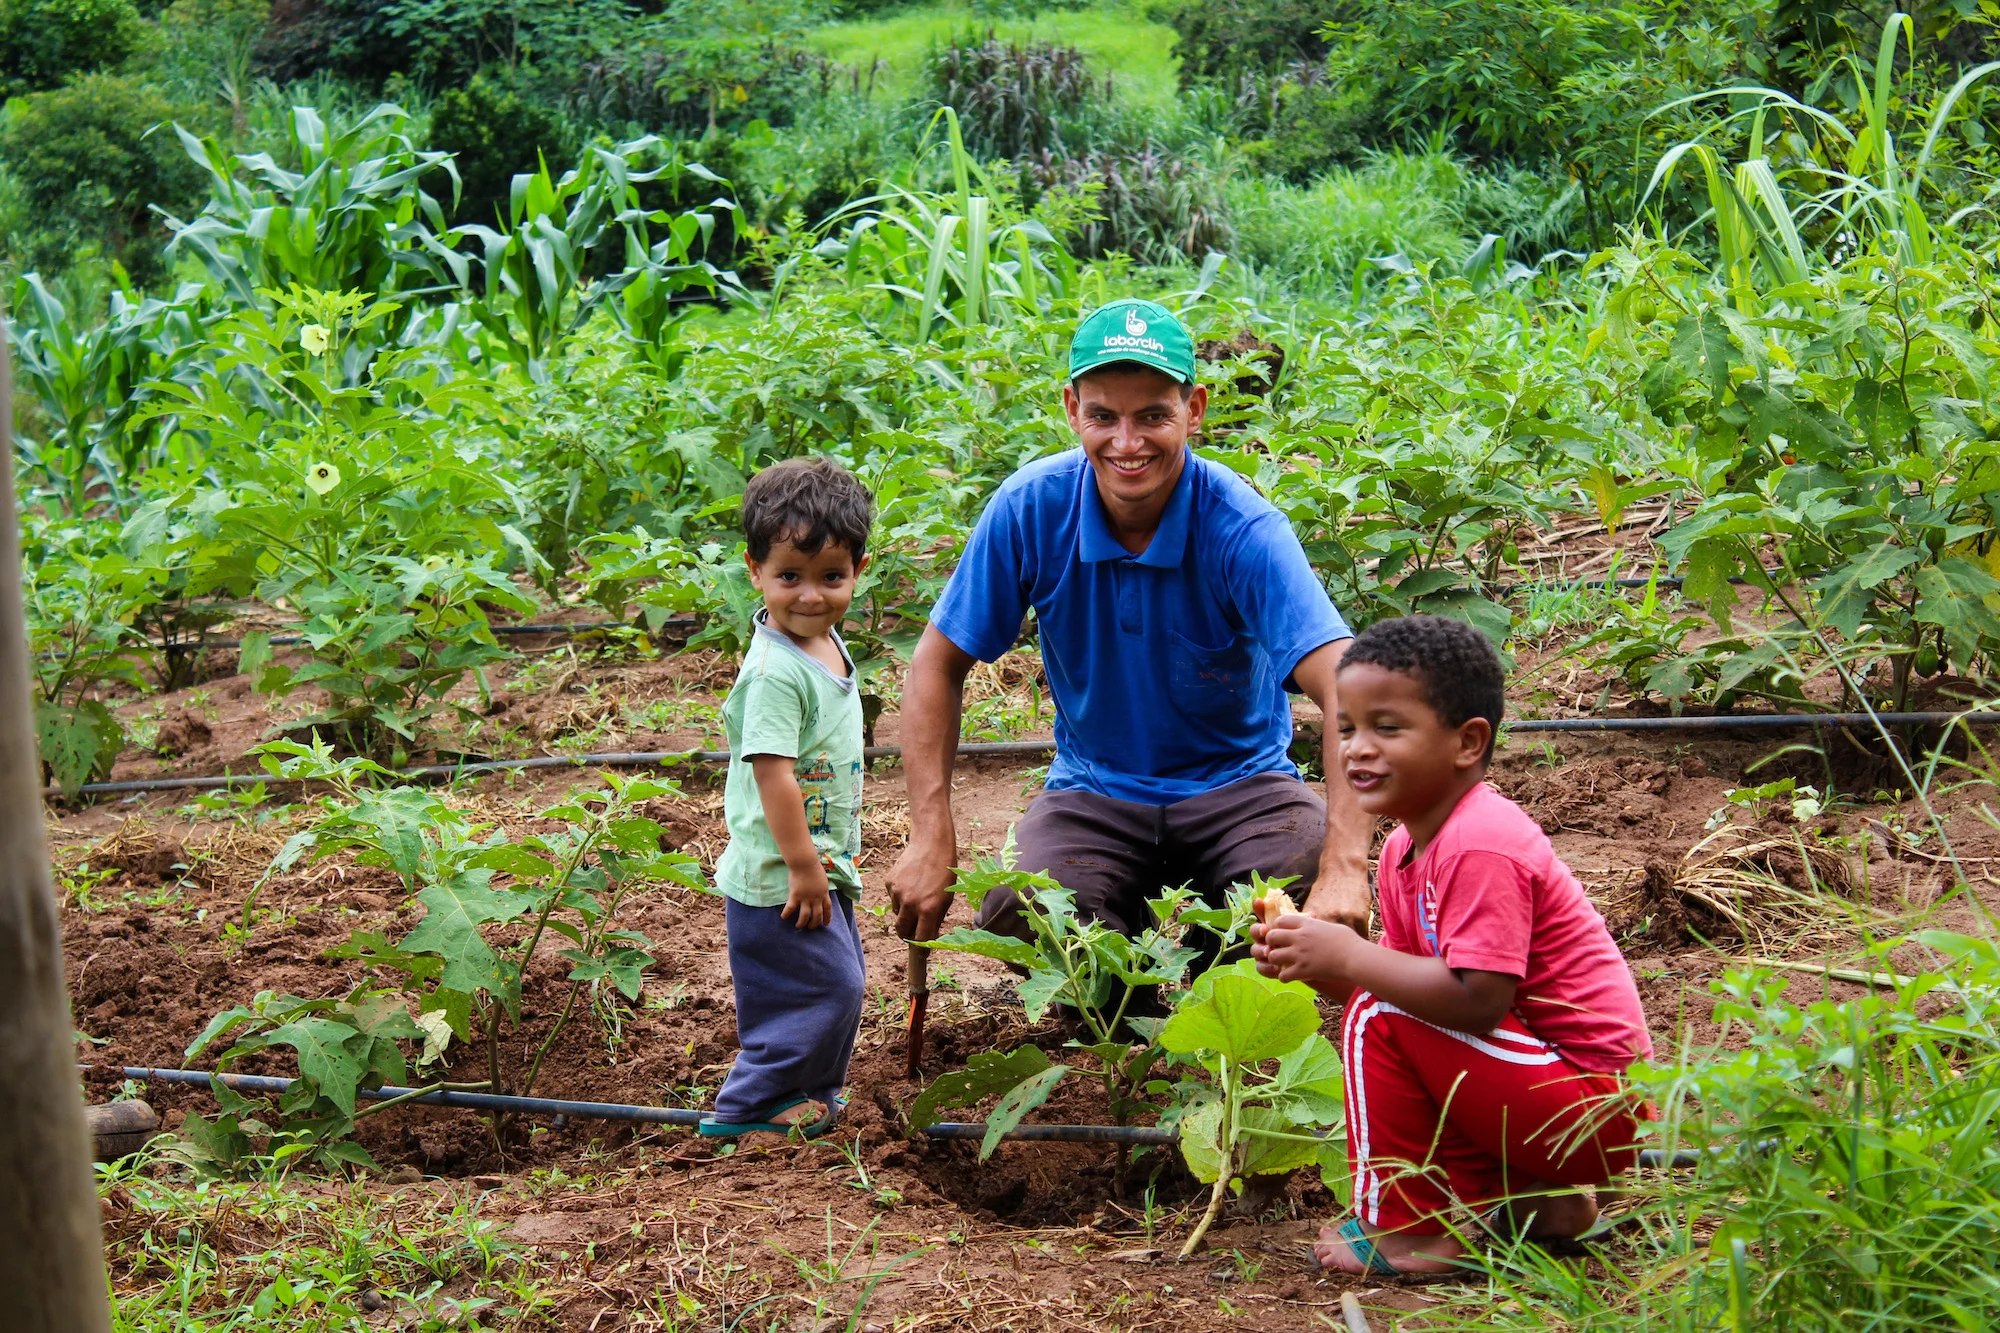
point(711, 1128)
point(1373, 1262)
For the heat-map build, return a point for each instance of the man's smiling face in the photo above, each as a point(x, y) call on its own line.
point(1134, 424)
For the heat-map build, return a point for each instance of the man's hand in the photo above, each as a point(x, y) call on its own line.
point(1340, 892)
point(809, 905)
point(920, 889)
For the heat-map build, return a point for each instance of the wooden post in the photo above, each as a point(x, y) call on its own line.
point(51, 1248)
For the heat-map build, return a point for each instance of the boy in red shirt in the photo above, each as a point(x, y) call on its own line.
point(1485, 1036)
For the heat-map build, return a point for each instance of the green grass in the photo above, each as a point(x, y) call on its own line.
point(1116, 38)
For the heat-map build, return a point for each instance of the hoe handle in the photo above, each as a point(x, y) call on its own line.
point(920, 994)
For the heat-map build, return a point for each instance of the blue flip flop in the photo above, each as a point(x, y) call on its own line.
point(711, 1128)
point(1373, 1262)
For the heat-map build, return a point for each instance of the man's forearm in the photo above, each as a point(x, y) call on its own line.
point(932, 708)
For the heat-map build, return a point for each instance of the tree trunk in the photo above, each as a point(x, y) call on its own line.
point(51, 1251)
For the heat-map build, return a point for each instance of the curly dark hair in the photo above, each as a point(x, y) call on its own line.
point(807, 502)
point(1457, 666)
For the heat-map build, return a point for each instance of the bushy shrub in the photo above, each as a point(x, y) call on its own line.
point(700, 66)
point(815, 165)
point(1012, 98)
point(1305, 122)
point(1316, 235)
point(87, 169)
point(1155, 206)
point(493, 132)
point(207, 48)
point(1217, 39)
point(44, 42)
point(438, 42)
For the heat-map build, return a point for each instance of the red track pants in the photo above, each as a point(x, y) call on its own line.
point(1437, 1118)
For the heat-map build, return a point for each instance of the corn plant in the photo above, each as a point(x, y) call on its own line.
point(92, 382)
point(355, 215)
point(538, 281)
point(1809, 183)
point(958, 260)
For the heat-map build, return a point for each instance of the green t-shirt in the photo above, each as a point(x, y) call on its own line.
point(787, 703)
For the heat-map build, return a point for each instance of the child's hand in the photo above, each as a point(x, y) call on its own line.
point(1304, 948)
point(809, 905)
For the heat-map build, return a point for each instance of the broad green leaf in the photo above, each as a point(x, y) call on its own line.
point(1201, 1141)
point(1271, 1142)
point(453, 913)
point(1243, 1017)
point(507, 859)
point(1881, 412)
point(1311, 1086)
point(324, 1056)
point(986, 944)
point(1039, 991)
point(988, 1072)
point(1022, 1098)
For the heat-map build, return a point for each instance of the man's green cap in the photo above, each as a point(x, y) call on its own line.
point(1130, 330)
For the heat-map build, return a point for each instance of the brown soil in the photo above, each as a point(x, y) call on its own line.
point(159, 938)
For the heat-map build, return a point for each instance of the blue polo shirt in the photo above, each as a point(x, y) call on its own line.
point(1168, 668)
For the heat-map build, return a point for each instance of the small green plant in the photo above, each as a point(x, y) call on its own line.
point(1802, 803)
point(1091, 970)
point(1253, 1117)
point(466, 986)
point(342, 1046)
point(80, 885)
point(1846, 1166)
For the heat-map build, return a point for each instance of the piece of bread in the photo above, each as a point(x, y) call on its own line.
point(1274, 904)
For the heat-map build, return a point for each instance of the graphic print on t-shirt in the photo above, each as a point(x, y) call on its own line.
point(816, 782)
point(1427, 917)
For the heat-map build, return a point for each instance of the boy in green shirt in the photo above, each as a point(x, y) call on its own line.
point(793, 805)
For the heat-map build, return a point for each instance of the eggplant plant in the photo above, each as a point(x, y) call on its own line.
point(489, 903)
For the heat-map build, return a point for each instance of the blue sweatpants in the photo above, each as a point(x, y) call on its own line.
point(798, 1008)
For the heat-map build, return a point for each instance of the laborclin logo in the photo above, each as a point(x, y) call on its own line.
point(1134, 335)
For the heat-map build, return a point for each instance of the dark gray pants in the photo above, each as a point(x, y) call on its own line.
point(798, 1008)
point(1114, 855)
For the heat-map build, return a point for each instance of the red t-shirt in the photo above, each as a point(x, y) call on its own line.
point(1490, 894)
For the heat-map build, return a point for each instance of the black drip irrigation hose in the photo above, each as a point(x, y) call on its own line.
point(568, 627)
point(633, 759)
point(1137, 1135)
point(1757, 722)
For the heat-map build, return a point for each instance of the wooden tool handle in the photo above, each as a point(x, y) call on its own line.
point(920, 969)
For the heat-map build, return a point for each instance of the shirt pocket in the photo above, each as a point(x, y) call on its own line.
point(1205, 680)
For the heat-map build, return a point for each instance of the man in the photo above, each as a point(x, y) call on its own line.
point(1176, 609)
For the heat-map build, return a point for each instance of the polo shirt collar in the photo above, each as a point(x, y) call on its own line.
point(1169, 544)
